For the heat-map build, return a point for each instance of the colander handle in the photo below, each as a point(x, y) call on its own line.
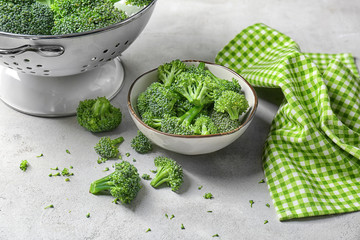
point(46, 51)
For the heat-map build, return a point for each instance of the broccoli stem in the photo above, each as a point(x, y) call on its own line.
point(187, 117)
point(101, 185)
point(117, 141)
point(161, 177)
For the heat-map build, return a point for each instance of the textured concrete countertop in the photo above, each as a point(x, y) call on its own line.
point(184, 29)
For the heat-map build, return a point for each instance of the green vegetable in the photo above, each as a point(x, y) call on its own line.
point(148, 230)
point(208, 196)
point(200, 187)
point(141, 144)
point(182, 226)
point(184, 99)
point(24, 165)
point(41, 155)
point(231, 102)
point(67, 151)
point(168, 172)
point(50, 206)
point(262, 181)
point(74, 16)
point(146, 176)
point(106, 169)
point(25, 17)
point(172, 216)
point(101, 160)
point(67, 179)
point(108, 148)
point(266, 221)
point(123, 184)
point(98, 115)
point(251, 203)
point(65, 172)
point(268, 205)
point(56, 168)
point(88, 215)
point(216, 235)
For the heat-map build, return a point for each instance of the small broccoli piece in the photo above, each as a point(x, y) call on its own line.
point(148, 230)
point(24, 165)
point(204, 125)
point(108, 148)
point(223, 121)
point(25, 17)
point(88, 215)
point(141, 144)
point(182, 226)
point(208, 196)
point(233, 103)
point(168, 71)
point(146, 176)
point(251, 202)
point(74, 16)
point(98, 115)
point(50, 206)
point(169, 172)
point(123, 184)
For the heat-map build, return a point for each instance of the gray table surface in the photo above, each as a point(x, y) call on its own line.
point(184, 29)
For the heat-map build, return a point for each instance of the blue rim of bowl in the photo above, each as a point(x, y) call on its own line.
point(71, 35)
point(246, 122)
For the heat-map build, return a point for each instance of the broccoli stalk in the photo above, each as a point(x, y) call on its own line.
point(168, 172)
point(123, 184)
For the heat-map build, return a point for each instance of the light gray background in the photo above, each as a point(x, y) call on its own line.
point(184, 29)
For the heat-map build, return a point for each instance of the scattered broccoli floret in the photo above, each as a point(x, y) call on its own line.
point(215, 235)
point(88, 215)
point(251, 202)
point(98, 115)
point(266, 221)
point(146, 176)
point(50, 206)
point(231, 102)
point(123, 184)
point(108, 148)
point(41, 155)
point(208, 196)
point(148, 230)
point(74, 16)
point(182, 226)
point(168, 172)
point(25, 17)
point(24, 165)
point(141, 143)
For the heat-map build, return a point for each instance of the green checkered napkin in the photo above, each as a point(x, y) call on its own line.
point(312, 154)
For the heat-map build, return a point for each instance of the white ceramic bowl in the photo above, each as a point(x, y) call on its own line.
point(192, 144)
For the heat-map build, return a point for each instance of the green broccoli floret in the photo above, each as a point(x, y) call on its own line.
point(24, 165)
point(157, 99)
point(168, 71)
point(204, 125)
point(108, 148)
point(223, 121)
point(168, 172)
point(195, 85)
point(123, 184)
point(25, 17)
point(141, 144)
point(74, 16)
point(231, 102)
point(98, 115)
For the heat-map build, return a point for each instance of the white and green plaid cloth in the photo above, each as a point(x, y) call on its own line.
point(312, 154)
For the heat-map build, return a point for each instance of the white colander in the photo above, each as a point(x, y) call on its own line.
point(47, 75)
point(62, 55)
